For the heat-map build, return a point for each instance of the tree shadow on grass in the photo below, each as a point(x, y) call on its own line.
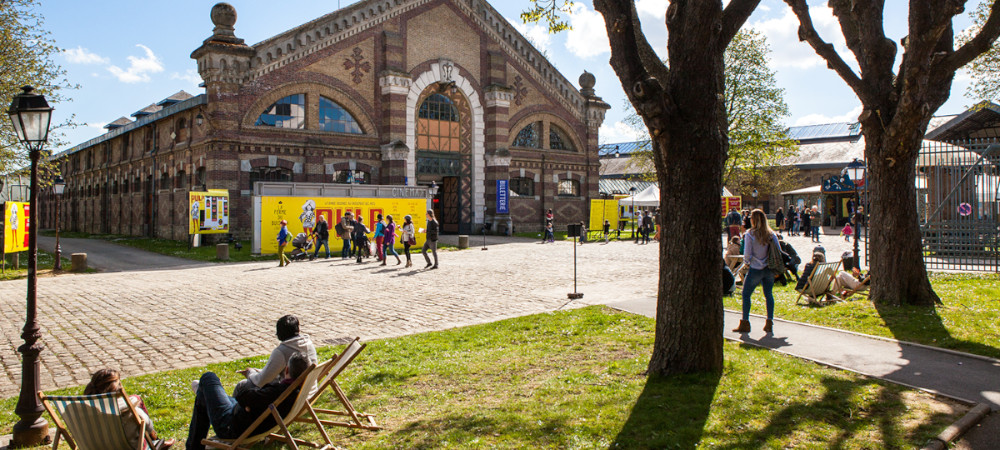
point(671, 412)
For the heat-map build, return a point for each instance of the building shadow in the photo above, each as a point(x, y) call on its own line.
point(664, 403)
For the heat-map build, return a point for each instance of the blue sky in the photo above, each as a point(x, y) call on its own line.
point(127, 54)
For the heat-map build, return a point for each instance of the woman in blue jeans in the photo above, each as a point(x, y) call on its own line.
point(755, 245)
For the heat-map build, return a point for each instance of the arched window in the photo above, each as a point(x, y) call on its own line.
point(437, 125)
point(558, 139)
point(289, 112)
point(270, 174)
point(333, 117)
point(521, 186)
point(352, 177)
point(529, 136)
point(569, 188)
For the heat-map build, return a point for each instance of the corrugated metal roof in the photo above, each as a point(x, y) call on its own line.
point(622, 186)
point(152, 108)
point(825, 131)
point(120, 122)
point(623, 148)
point(180, 96)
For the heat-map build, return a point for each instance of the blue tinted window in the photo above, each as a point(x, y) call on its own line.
point(333, 117)
point(289, 112)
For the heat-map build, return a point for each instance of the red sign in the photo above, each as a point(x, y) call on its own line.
point(731, 203)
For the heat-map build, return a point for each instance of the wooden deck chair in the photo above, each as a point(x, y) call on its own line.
point(741, 273)
point(817, 288)
point(300, 408)
point(329, 380)
point(93, 421)
point(863, 290)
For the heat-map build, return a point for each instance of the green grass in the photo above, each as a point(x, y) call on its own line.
point(169, 247)
point(967, 321)
point(45, 262)
point(573, 379)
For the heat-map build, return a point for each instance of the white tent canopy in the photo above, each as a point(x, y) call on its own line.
point(651, 197)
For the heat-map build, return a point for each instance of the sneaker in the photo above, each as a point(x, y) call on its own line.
point(194, 386)
point(434, 267)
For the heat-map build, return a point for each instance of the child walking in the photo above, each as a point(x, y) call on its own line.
point(847, 231)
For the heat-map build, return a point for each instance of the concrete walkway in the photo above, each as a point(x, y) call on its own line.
point(962, 376)
point(110, 257)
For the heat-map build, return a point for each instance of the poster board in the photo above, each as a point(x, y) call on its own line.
point(16, 226)
point(728, 203)
point(601, 210)
point(208, 212)
point(302, 212)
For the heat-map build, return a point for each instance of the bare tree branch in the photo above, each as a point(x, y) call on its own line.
point(734, 16)
point(978, 44)
point(807, 33)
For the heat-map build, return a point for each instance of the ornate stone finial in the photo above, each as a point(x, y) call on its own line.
point(447, 67)
point(224, 17)
point(587, 82)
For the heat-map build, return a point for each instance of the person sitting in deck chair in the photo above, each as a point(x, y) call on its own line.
point(230, 416)
point(818, 257)
point(853, 281)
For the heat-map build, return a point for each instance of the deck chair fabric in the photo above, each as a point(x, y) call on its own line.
point(817, 288)
point(337, 365)
point(300, 408)
point(861, 290)
point(92, 421)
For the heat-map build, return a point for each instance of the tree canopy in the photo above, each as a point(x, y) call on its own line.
point(985, 69)
point(27, 54)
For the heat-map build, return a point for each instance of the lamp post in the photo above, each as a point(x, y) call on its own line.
point(58, 188)
point(754, 195)
point(856, 172)
point(31, 116)
point(633, 191)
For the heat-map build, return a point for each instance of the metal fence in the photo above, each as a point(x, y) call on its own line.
point(957, 200)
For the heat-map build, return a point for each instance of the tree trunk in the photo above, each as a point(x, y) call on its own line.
point(897, 264)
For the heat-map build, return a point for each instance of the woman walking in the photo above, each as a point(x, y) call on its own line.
point(379, 235)
point(389, 240)
point(755, 248)
point(283, 237)
point(779, 221)
point(433, 228)
point(409, 238)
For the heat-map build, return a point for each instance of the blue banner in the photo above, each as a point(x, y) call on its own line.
point(503, 197)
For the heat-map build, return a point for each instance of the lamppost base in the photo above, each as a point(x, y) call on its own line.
point(575, 295)
point(30, 434)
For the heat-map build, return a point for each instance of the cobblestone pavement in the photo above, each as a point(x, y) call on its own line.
point(150, 321)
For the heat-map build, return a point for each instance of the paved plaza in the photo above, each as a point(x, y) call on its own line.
point(150, 321)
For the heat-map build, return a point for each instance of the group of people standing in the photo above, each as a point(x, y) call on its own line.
point(799, 221)
point(354, 234)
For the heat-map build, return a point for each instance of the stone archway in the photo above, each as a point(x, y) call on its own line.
point(445, 71)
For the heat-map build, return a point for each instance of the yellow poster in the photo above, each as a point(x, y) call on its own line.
point(601, 210)
point(302, 212)
point(209, 212)
point(15, 227)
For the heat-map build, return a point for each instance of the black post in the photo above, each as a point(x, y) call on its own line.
point(857, 227)
point(58, 264)
point(636, 238)
point(32, 428)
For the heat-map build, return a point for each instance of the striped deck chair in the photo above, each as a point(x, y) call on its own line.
point(93, 421)
point(817, 288)
point(301, 408)
point(329, 380)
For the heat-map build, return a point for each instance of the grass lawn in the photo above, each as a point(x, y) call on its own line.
point(573, 379)
point(45, 262)
point(170, 247)
point(967, 321)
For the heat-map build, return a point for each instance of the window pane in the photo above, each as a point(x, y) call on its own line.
point(288, 112)
point(558, 139)
point(528, 136)
point(333, 117)
point(437, 127)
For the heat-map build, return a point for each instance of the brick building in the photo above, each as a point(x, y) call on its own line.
point(373, 93)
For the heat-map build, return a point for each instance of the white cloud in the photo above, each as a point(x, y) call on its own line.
point(191, 76)
point(81, 55)
point(818, 119)
point(588, 37)
point(619, 132)
point(97, 125)
point(783, 38)
point(655, 8)
point(139, 67)
point(535, 33)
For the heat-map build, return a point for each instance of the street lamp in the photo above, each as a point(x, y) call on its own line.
point(58, 188)
point(633, 191)
point(31, 116)
point(856, 172)
point(754, 195)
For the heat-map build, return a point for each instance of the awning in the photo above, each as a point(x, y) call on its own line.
point(811, 190)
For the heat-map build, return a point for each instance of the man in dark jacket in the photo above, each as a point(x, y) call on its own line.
point(433, 229)
point(229, 416)
point(733, 221)
point(360, 239)
point(322, 236)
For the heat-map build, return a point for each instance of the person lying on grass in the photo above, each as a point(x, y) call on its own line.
point(230, 416)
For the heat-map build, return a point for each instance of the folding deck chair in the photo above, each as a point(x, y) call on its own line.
point(817, 288)
point(863, 290)
point(300, 408)
point(329, 380)
point(93, 422)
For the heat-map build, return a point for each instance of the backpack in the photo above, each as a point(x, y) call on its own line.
point(339, 228)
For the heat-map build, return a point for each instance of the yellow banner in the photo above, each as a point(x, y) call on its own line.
point(209, 212)
point(601, 210)
point(301, 214)
point(15, 227)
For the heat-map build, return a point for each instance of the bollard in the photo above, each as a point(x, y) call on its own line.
point(222, 252)
point(463, 241)
point(79, 262)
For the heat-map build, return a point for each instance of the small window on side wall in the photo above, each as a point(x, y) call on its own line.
point(569, 188)
point(522, 187)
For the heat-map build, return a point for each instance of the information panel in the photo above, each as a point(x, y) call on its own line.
point(209, 212)
point(15, 227)
point(730, 203)
point(601, 210)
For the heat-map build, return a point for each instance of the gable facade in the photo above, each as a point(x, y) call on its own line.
point(390, 92)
